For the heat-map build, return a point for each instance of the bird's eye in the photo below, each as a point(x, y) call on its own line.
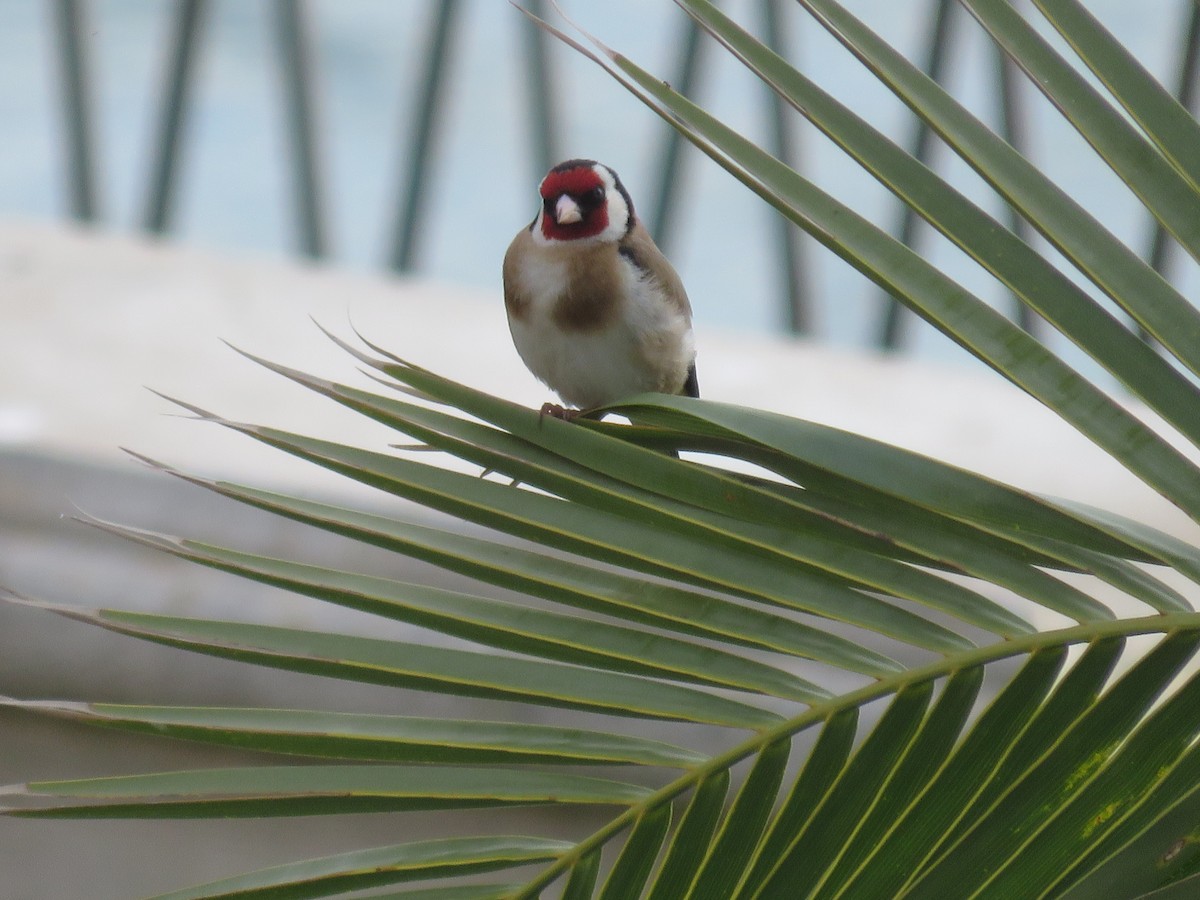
point(595, 196)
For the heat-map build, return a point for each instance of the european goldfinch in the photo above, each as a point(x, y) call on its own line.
point(595, 310)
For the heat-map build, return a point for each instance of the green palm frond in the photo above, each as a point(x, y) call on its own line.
point(853, 625)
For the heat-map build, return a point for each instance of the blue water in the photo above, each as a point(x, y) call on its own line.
point(234, 193)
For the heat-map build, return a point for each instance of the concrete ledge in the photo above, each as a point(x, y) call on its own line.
point(91, 318)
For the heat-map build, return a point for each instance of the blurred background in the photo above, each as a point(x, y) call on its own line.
point(176, 171)
point(411, 136)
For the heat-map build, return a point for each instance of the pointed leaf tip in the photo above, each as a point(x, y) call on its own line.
point(190, 407)
point(346, 345)
point(387, 354)
point(150, 461)
point(243, 353)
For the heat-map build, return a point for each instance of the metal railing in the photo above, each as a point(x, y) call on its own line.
point(292, 33)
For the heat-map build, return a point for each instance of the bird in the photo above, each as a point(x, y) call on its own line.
point(596, 311)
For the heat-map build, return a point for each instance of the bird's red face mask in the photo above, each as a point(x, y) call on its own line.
point(574, 205)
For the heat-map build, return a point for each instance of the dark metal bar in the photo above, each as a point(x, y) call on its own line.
point(76, 106)
point(661, 220)
point(295, 57)
point(185, 39)
point(921, 147)
point(423, 134)
point(543, 106)
point(798, 314)
point(1013, 130)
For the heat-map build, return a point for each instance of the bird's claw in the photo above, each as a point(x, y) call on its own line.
point(558, 412)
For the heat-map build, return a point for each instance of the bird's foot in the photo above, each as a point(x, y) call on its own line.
point(559, 412)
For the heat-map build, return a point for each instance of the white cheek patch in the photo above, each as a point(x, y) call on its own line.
point(618, 209)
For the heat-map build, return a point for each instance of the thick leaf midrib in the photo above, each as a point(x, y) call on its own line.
point(1080, 634)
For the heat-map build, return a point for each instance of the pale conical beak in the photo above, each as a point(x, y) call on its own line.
point(566, 211)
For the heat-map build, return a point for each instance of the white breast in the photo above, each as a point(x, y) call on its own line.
point(647, 347)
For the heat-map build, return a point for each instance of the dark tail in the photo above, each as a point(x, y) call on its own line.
point(691, 387)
